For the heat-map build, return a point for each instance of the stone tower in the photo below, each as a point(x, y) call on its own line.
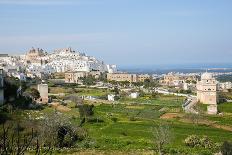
point(207, 92)
point(43, 91)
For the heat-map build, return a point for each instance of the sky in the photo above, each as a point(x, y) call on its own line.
point(122, 32)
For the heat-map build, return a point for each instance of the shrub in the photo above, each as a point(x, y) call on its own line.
point(226, 148)
point(124, 133)
point(132, 118)
point(196, 141)
point(86, 110)
point(114, 119)
point(95, 120)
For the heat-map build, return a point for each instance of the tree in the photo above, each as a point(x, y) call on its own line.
point(116, 90)
point(61, 131)
point(34, 93)
point(11, 86)
point(88, 80)
point(162, 136)
point(226, 148)
point(86, 110)
point(14, 141)
point(77, 100)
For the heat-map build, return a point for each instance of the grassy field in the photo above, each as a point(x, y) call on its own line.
point(128, 126)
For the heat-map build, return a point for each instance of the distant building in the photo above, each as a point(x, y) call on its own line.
point(95, 74)
point(207, 92)
point(225, 86)
point(134, 95)
point(127, 77)
point(1, 87)
point(43, 91)
point(34, 55)
point(111, 68)
point(172, 79)
point(37, 61)
point(110, 97)
point(74, 77)
point(189, 86)
point(143, 77)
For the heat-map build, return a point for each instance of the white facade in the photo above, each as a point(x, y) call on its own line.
point(43, 91)
point(112, 68)
point(207, 89)
point(134, 95)
point(225, 85)
point(111, 97)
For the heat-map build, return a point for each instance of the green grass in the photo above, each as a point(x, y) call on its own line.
point(225, 107)
point(127, 134)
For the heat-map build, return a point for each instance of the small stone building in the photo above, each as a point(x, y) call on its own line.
point(43, 91)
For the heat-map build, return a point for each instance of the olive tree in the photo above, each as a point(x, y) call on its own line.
point(162, 136)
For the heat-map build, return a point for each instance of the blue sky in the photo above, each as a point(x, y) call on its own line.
point(124, 32)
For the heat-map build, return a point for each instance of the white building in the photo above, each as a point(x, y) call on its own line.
point(224, 85)
point(43, 91)
point(134, 95)
point(111, 97)
point(61, 60)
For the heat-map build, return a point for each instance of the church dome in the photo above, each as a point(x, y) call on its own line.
point(207, 76)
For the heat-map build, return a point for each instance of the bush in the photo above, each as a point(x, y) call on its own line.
point(86, 110)
point(196, 141)
point(226, 148)
point(132, 118)
point(124, 133)
point(95, 120)
point(114, 119)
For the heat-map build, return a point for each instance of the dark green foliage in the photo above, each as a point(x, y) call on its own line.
point(116, 91)
point(132, 118)
point(116, 98)
point(11, 86)
point(197, 141)
point(88, 80)
point(185, 91)
point(226, 148)
point(66, 137)
point(4, 116)
point(114, 119)
point(150, 83)
point(34, 93)
point(86, 110)
point(95, 120)
point(103, 77)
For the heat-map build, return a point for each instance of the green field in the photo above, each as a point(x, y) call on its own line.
point(128, 127)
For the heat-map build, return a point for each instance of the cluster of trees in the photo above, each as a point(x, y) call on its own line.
point(88, 80)
point(55, 131)
point(18, 94)
point(206, 142)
